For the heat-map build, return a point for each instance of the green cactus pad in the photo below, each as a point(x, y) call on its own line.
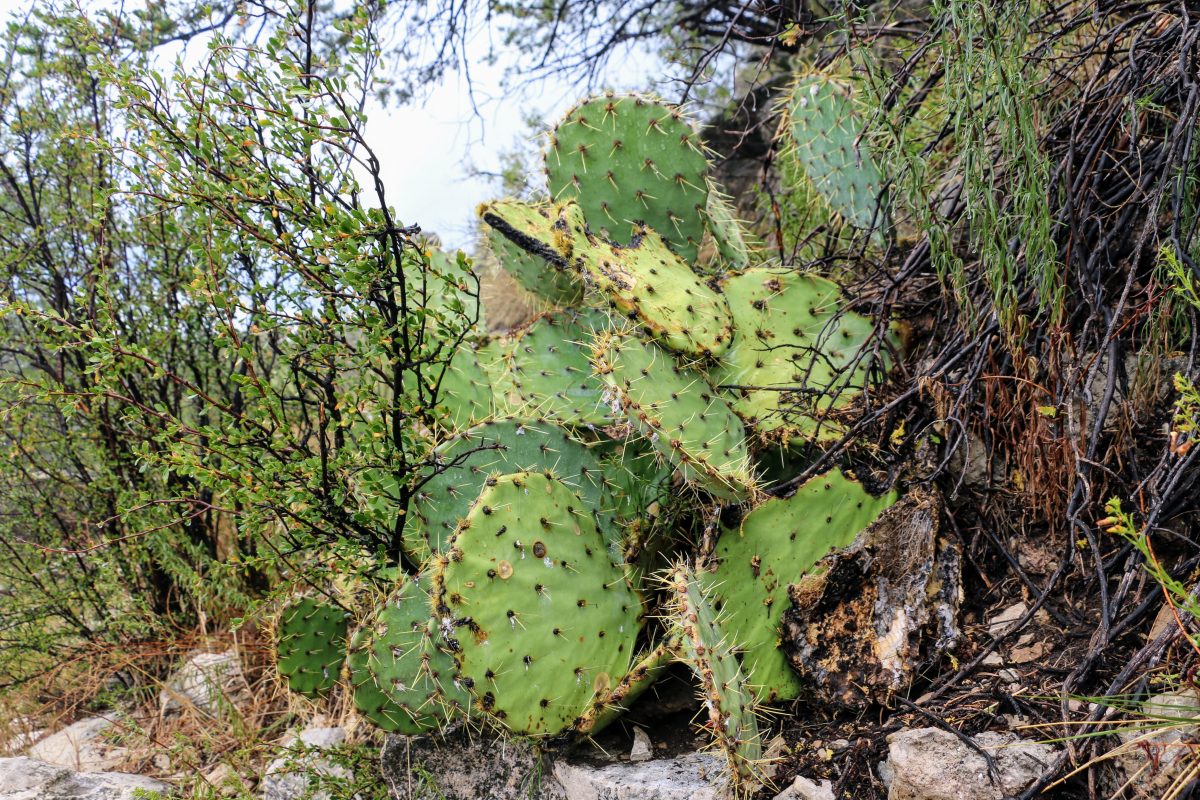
point(403, 682)
point(532, 225)
point(795, 355)
point(501, 447)
point(465, 389)
point(777, 543)
point(369, 699)
point(548, 375)
point(826, 133)
point(630, 159)
point(705, 646)
point(311, 645)
point(656, 289)
point(726, 232)
point(686, 420)
point(541, 621)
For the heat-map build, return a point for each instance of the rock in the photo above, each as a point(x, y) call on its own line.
point(300, 775)
point(224, 781)
point(868, 617)
point(1008, 675)
point(933, 764)
point(30, 779)
point(81, 746)
point(643, 749)
point(694, 776)
point(804, 789)
point(1153, 755)
point(322, 738)
point(209, 682)
point(466, 767)
point(1003, 622)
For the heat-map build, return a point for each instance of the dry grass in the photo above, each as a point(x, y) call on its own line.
point(203, 752)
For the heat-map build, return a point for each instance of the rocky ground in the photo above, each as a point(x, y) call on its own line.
point(974, 746)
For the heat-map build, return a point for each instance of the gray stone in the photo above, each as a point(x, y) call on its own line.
point(81, 746)
point(466, 767)
point(30, 779)
point(643, 748)
point(210, 682)
point(1003, 622)
point(695, 776)
point(805, 789)
point(1156, 751)
point(933, 764)
point(304, 774)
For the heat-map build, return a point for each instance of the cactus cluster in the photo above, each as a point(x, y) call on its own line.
point(545, 601)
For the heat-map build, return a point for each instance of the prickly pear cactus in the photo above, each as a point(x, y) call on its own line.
point(674, 407)
point(775, 545)
point(826, 136)
point(402, 680)
point(547, 278)
point(547, 374)
point(311, 645)
point(495, 448)
point(705, 645)
point(630, 159)
point(655, 288)
point(465, 385)
point(541, 622)
point(792, 332)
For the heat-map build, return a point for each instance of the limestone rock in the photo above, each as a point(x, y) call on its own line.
point(863, 618)
point(305, 774)
point(1155, 753)
point(933, 764)
point(466, 767)
point(805, 789)
point(209, 682)
point(30, 779)
point(643, 748)
point(81, 746)
point(694, 776)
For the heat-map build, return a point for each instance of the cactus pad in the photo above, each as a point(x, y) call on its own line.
point(501, 447)
point(541, 621)
point(402, 681)
point(658, 290)
point(795, 355)
point(549, 279)
point(630, 159)
point(311, 645)
point(705, 646)
point(777, 543)
point(688, 422)
point(369, 699)
point(465, 387)
point(548, 375)
point(826, 132)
